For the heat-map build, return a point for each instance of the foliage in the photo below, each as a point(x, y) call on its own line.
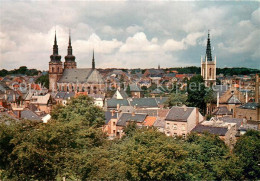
point(43, 80)
point(73, 146)
point(196, 93)
point(22, 70)
point(247, 149)
point(176, 99)
point(128, 90)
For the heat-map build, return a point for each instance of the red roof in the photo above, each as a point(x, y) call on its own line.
point(149, 121)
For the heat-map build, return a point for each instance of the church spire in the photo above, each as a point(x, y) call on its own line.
point(69, 47)
point(55, 46)
point(208, 50)
point(55, 55)
point(93, 61)
point(70, 58)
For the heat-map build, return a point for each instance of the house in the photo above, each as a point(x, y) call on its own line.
point(120, 94)
point(136, 91)
point(222, 111)
point(181, 120)
point(63, 97)
point(98, 99)
point(43, 103)
point(110, 126)
point(126, 118)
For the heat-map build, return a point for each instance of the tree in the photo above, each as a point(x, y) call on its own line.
point(247, 149)
point(176, 99)
point(128, 90)
point(43, 80)
point(196, 93)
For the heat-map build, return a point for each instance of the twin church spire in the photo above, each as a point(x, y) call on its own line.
point(70, 62)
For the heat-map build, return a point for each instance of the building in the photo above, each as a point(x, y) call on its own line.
point(69, 78)
point(181, 120)
point(208, 66)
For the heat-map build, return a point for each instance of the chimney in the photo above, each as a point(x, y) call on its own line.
point(133, 113)
point(117, 106)
point(184, 108)
point(197, 116)
point(112, 112)
point(218, 99)
point(246, 97)
point(19, 114)
point(160, 97)
point(14, 97)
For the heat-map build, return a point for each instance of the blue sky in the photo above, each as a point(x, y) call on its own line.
point(130, 34)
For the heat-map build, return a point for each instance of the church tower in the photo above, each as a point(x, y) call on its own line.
point(55, 67)
point(70, 58)
point(208, 66)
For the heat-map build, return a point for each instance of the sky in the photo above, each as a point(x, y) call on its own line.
point(130, 34)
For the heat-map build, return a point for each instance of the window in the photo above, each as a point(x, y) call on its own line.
point(58, 69)
point(175, 126)
point(52, 69)
point(167, 125)
point(210, 72)
point(175, 134)
point(183, 135)
point(114, 123)
point(183, 127)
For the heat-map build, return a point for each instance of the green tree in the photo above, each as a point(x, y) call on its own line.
point(196, 93)
point(247, 149)
point(43, 80)
point(176, 99)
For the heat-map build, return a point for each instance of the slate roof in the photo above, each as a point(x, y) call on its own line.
point(139, 118)
point(179, 114)
point(144, 102)
point(4, 87)
point(249, 105)
point(156, 71)
point(64, 95)
point(213, 130)
point(220, 88)
point(161, 100)
point(157, 91)
point(29, 115)
point(86, 75)
point(149, 112)
point(122, 93)
point(233, 100)
point(238, 121)
point(108, 116)
point(159, 123)
point(129, 109)
point(222, 111)
point(112, 103)
point(135, 88)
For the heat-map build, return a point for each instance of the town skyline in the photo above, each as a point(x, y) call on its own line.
point(130, 34)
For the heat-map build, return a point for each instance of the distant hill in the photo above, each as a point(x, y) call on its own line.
point(225, 71)
point(23, 70)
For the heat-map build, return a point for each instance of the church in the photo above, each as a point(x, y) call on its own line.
point(208, 66)
point(68, 78)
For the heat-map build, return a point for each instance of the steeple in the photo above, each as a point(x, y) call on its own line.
point(69, 47)
point(69, 57)
point(93, 61)
point(208, 50)
point(55, 55)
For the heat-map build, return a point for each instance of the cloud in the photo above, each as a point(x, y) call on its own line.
point(139, 43)
point(129, 34)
